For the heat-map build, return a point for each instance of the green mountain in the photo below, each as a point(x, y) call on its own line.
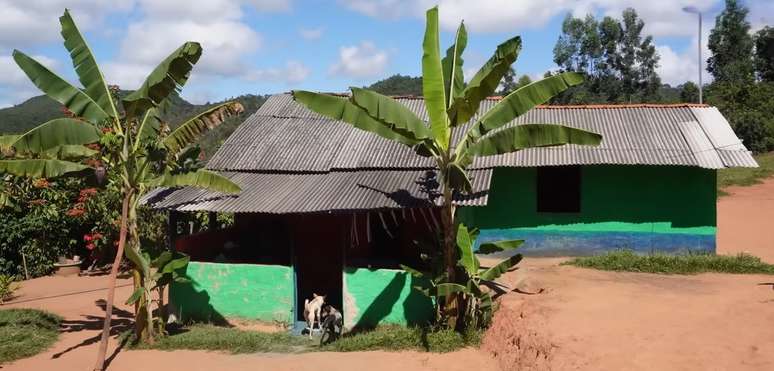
point(37, 110)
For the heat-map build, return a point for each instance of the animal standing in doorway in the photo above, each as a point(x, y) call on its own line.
point(332, 324)
point(312, 310)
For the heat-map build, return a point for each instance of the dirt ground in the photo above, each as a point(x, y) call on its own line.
point(584, 320)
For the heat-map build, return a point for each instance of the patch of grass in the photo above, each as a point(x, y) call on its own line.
point(746, 176)
point(628, 261)
point(394, 338)
point(387, 337)
point(26, 332)
point(232, 340)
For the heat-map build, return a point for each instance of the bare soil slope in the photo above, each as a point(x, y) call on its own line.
point(746, 221)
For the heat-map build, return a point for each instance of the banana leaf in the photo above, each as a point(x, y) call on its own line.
point(78, 102)
point(452, 67)
point(415, 273)
point(136, 295)
point(86, 66)
point(342, 109)
point(201, 179)
point(500, 268)
point(497, 246)
point(485, 81)
point(39, 168)
point(520, 101)
point(468, 259)
point(446, 289)
point(391, 113)
point(191, 130)
point(69, 152)
point(139, 260)
point(56, 133)
point(433, 87)
point(530, 136)
point(458, 178)
point(168, 77)
point(6, 141)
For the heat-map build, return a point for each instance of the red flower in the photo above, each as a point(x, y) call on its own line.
point(87, 237)
point(93, 146)
point(90, 246)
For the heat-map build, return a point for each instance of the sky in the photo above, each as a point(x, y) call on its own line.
point(273, 46)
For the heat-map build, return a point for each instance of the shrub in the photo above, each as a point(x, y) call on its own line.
point(7, 287)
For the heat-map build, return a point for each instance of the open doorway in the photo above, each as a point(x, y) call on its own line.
point(318, 249)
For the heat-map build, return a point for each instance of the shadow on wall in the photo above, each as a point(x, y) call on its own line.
point(417, 309)
point(188, 303)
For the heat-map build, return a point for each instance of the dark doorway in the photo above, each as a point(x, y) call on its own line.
point(559, 189)
point(318, 246)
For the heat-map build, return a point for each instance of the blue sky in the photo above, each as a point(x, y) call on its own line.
point(270, 46)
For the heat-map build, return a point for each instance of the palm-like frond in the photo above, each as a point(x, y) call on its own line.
point(191, 130)
point(201, 179)
point(78, 102)
point(40, 168)
point(86, 66)
point(433, 86)
point(56, 133)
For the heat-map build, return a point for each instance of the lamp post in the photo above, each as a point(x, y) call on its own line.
point(694, 10)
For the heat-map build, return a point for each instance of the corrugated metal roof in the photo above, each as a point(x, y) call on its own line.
point(282, 193)
point(284, 136)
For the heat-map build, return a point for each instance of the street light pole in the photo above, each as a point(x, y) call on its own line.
point(694, 10)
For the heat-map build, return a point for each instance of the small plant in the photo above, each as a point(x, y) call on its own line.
point(475, 285)
point(7, 287)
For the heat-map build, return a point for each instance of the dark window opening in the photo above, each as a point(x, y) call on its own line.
point(559, 189)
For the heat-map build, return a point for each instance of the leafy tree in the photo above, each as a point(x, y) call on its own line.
point(689, 92)
point(135, 144)
point(450, 103)
point(510, 83)
point(398, 85)
point(620, 63)
point(731, 45)
point(764, 54)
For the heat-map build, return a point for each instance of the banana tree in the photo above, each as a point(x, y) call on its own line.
point(450, 104)
point(477, 285)
point(135, 145)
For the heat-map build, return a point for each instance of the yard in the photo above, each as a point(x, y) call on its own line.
point(585, 319)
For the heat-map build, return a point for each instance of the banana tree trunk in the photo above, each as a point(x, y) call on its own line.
point(451, 306)
point(102, 351)
point(143, 314)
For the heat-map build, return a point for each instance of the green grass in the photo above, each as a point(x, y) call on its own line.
point(395, 338)
point(26, 332)
point(388, 337)
point(746, 176)
point(628, 261)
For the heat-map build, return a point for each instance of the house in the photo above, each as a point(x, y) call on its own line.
point(333, 210)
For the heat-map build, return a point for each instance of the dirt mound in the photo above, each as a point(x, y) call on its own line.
point(517, 339)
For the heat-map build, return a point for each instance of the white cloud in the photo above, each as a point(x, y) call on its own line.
point(311, 33)
point(14, 84)
point(678, 67)
point(35, 21)
point(360, 61)
point(293, 73)
point(272, 5)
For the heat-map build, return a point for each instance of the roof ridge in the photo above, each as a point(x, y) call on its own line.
point(562, 106)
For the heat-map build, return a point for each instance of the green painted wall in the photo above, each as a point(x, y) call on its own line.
point(251, 291)
point(667, 206)
point(377, 296)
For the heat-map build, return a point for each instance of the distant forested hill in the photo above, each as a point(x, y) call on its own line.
point(37, 110)
point(398, 85)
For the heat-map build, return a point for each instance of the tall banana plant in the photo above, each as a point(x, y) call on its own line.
point(450, 104)
point(136, 146)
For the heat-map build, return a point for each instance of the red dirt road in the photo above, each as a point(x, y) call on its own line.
point(746, 221)
point(585, 319)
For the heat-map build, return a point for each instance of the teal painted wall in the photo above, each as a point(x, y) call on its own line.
point(378, 296)
point(250, 291)
point(666, 208)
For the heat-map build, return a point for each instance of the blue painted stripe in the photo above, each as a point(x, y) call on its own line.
point(573, 243)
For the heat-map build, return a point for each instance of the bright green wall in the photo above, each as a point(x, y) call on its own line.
point(659, 207)
point(375, 296)
point(251, 291)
